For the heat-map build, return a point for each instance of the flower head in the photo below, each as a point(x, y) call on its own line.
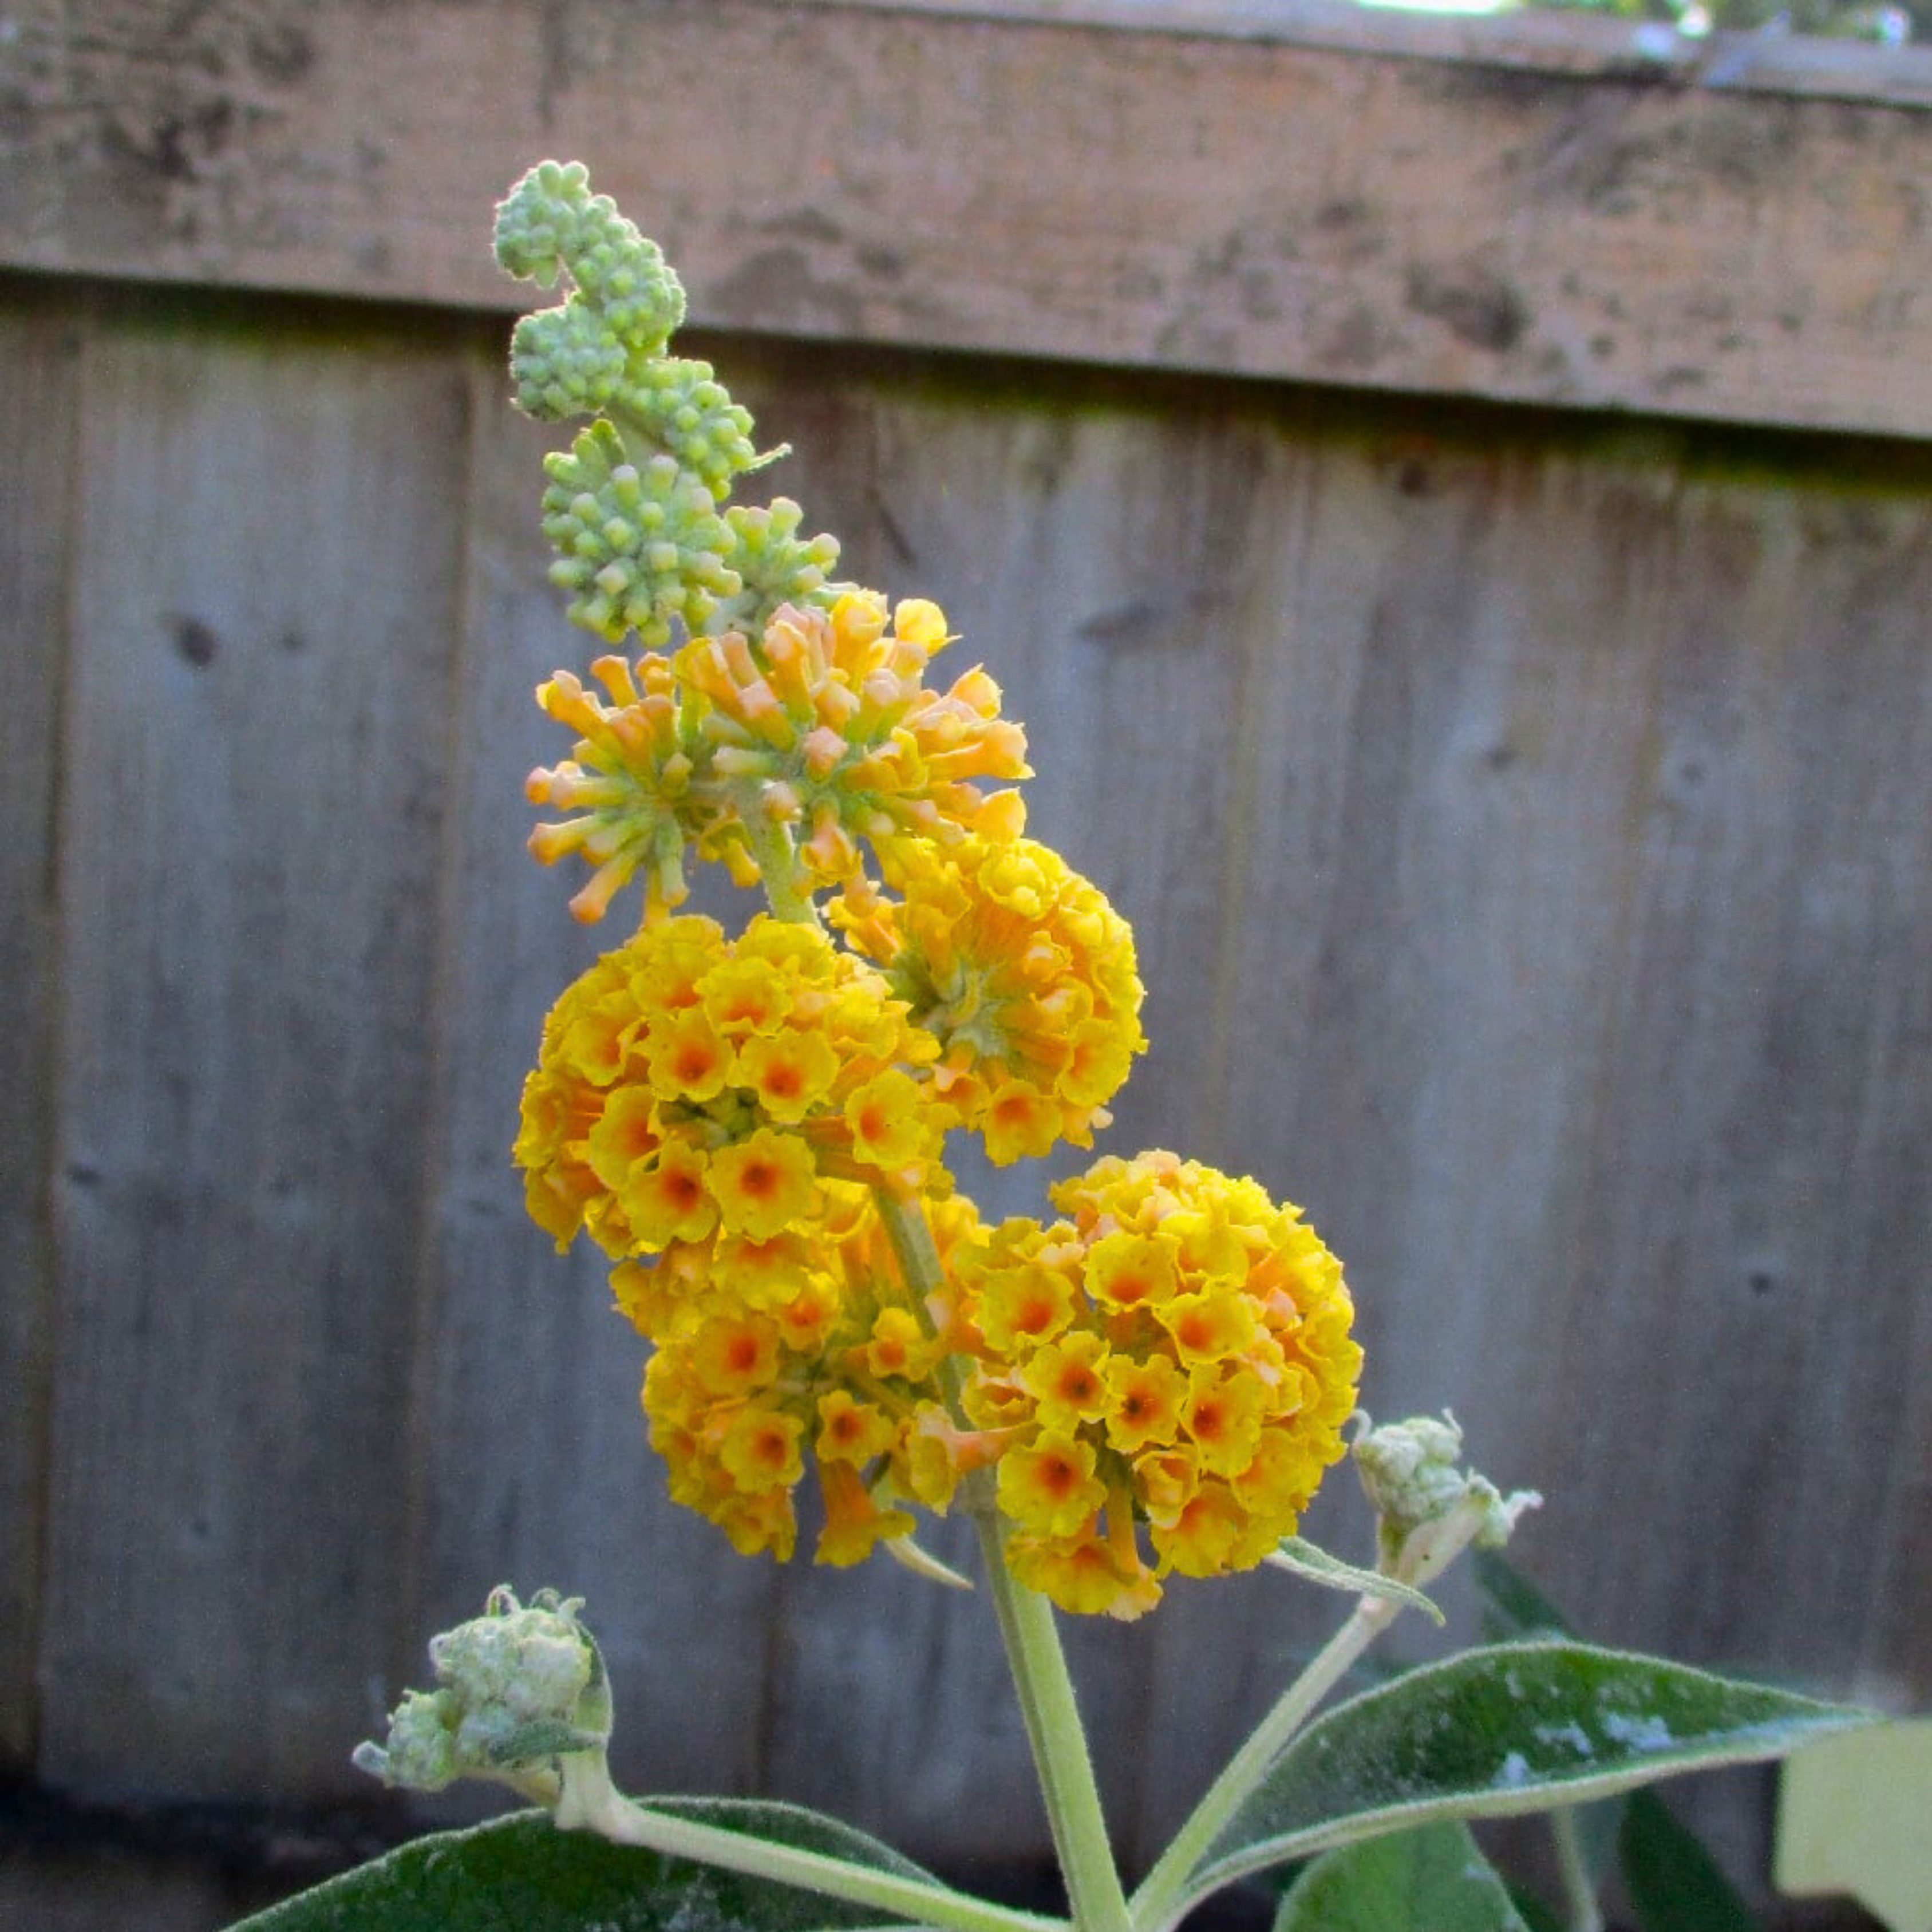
point(1023, 973)
point(688, 1084)
point(1176, 1353)
point(777, 755)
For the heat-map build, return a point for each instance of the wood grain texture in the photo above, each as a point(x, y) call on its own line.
point(1528, 834)
point(40, 347)
point(265, 543)
point(531, 1465)
point(1177, 200)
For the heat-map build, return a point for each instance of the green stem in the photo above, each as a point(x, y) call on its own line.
point(1585, 1915)
point(1034, 1654)
point(1164, 1887)
point(1059, 1741)
point(591, 1802)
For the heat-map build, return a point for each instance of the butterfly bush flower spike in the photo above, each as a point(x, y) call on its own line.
point(753, 1128)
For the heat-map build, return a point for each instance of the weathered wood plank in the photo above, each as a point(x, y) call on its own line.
point(529, 1454)
point(266, 545)
point(1183, 200)
point(1612, 1068)
point(40, 348)
point(1546, 39)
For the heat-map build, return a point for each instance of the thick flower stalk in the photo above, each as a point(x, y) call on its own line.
point(778, 756)
point(1177, 1353)
point(1022, 971)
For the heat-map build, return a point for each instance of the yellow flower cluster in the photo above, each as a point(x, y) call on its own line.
point(689, 1086)
point(1178, 1351)
point(776, 756)
point(816, 1351)
point(753, 1128)
point(1025, 974)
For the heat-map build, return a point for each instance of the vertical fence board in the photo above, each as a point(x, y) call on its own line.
point(39, 346)
point(266, 550)
point(532, 1456)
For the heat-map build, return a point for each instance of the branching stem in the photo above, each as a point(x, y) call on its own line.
point(591, 1802)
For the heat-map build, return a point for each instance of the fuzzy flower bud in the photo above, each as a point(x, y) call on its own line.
point(565, 362)
point(551, 221)
point(1428, 1506)
point(518, 1687)
point(638, 546)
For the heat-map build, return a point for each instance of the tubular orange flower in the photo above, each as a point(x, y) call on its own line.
point(1177, 1352)
point(1022, 971)
point(777, 754)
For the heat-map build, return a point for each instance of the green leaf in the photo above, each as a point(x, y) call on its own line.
point(1311, 1561)
point(1431, 1879)
point(521, 1874)
point(1536, 1915)
point(1674, 1883)
point(1511, 1728)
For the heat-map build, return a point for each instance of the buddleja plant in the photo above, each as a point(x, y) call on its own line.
point(753, 1128)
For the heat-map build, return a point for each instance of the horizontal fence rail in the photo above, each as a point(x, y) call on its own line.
point(1543, 210)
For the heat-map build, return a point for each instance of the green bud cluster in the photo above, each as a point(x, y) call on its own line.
point(551, 221)
point(565, 362)
point(633, 506)
point(690, 415)
point(637, 547)
point(775, 567)
point(516, 1688)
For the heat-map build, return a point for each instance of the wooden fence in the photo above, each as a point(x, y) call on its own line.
point(1525, 814)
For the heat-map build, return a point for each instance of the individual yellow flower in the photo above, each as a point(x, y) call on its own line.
point(1023, 974)
point(764, 1184)
point(761, 1449)
point(733, 1356)
point(1049, 1486)
point(851, 1431)
point(1085, 1575)
point(855, 1524)
point(1145, 1402)
point(664, 1200)
point(1067, 1380)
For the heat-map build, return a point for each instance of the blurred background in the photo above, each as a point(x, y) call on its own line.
point(1450, 500)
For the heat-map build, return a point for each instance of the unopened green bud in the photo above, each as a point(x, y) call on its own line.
point(517, 1688)
point(1428, 1507)
point(565, 362)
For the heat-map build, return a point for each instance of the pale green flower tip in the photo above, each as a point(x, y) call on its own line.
point(551, 221)
point(565, 362)
point(1428, 1505)
point(420, 1753)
